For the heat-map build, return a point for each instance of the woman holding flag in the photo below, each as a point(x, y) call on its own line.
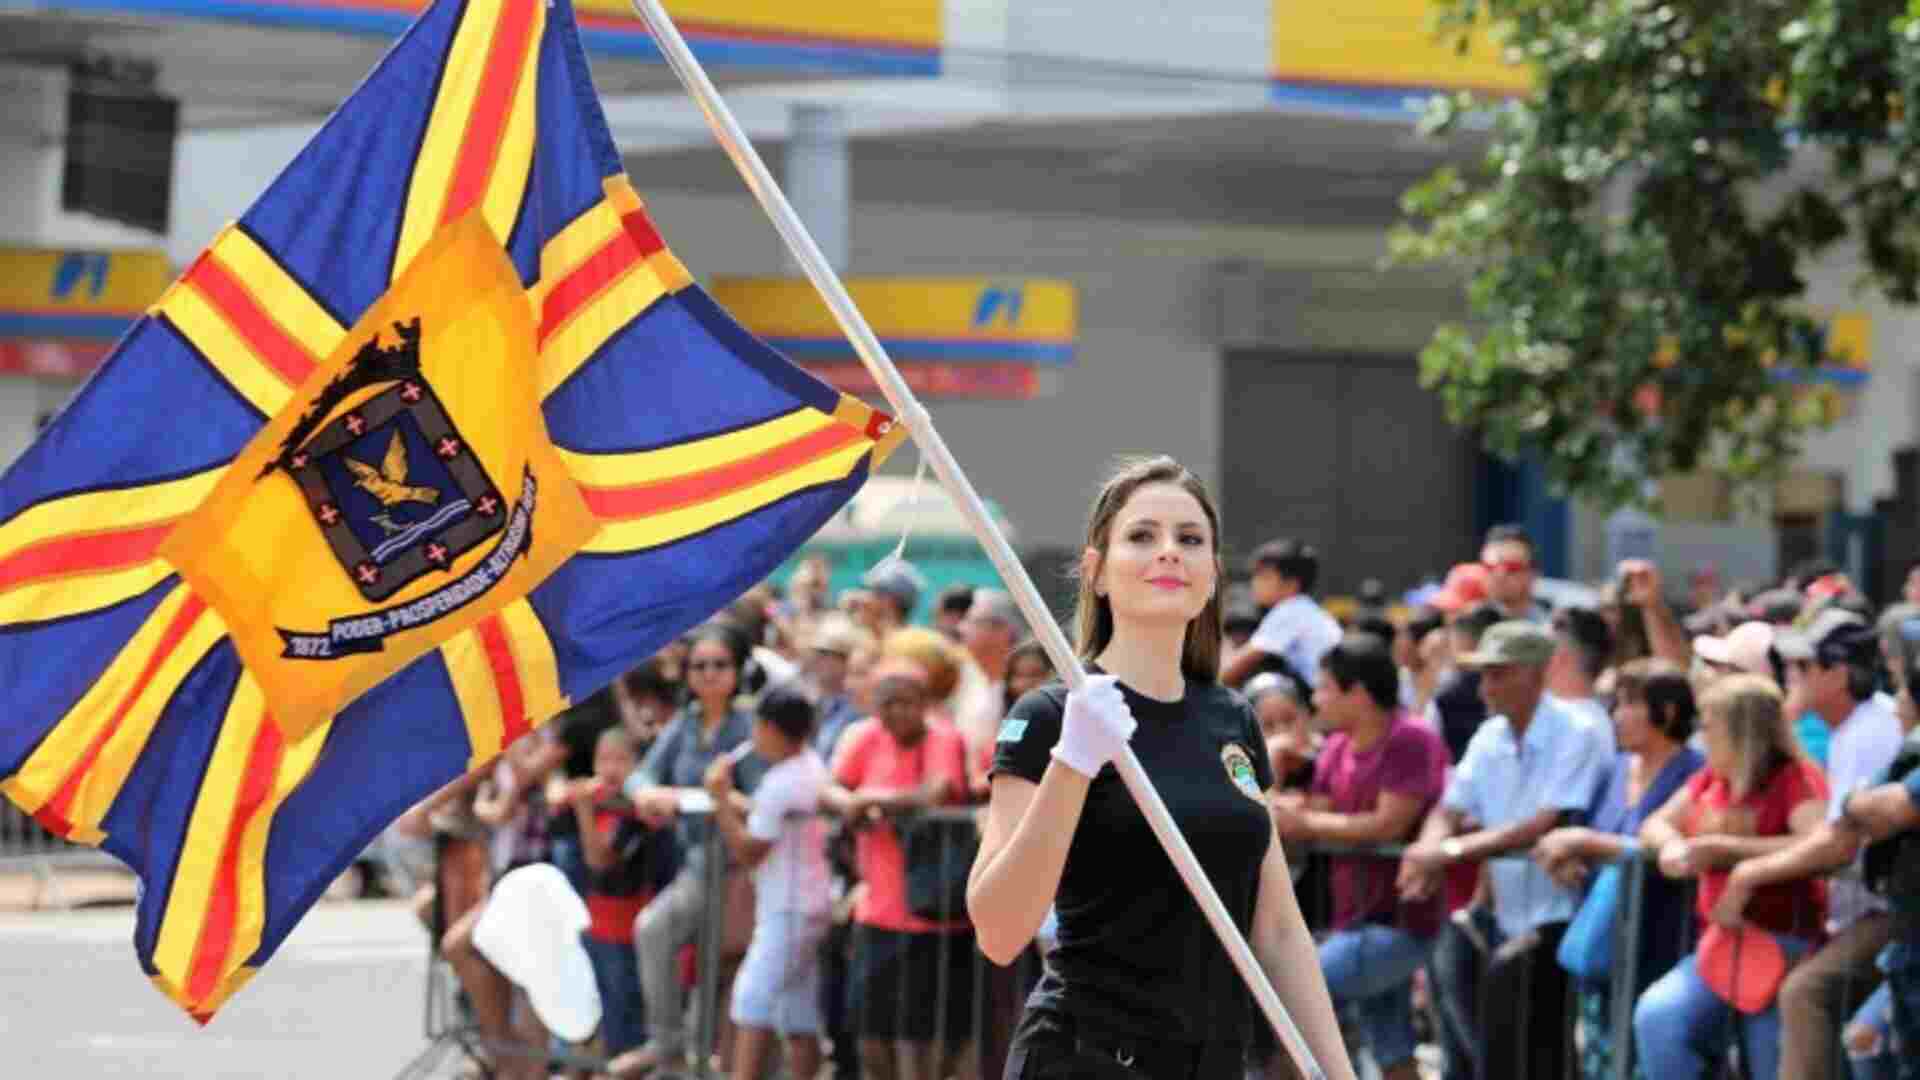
point(1138, 985)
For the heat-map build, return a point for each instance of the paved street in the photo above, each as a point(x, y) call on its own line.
point(341, 999)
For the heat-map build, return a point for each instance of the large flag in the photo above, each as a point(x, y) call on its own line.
point(434, 440)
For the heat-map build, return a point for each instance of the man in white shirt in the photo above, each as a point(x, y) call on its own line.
point(1295, 628)
point(1830, 671)
point(1529, 768)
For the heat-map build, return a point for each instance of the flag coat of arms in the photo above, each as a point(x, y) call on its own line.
point(434, 440)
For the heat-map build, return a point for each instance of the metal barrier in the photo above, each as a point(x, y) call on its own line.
point(25, 846)
point(969, 1038)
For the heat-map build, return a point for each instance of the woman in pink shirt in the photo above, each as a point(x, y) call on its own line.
point(910, 992)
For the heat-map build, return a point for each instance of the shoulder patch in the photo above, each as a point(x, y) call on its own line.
point(1239, 766)
point(1012, 730)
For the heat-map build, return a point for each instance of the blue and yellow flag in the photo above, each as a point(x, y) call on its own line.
point(436, 439)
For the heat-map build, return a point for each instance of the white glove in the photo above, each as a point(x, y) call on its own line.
point(1096, 727)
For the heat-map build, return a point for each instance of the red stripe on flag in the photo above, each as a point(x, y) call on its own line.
point(216, 929)
point(640, 227)
point(660, 496)
point(55, 811)
point(585, 282)
point(506, 679)
point(283, 353)
point(80, 554)
point(486, 125)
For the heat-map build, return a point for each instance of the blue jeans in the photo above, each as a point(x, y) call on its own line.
point(1680, 1026)
point(1901, 962)
point(1369, 969)
point(616, 971)
point(1878, 1063)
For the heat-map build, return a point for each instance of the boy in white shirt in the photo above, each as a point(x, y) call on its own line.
point(780, 836)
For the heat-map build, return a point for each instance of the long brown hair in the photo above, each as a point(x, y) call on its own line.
point(1758, 728)
point(1093, 615)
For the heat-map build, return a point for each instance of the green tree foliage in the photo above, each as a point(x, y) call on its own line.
point(1636, 236)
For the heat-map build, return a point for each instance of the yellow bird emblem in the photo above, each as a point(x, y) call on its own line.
point(388, 483)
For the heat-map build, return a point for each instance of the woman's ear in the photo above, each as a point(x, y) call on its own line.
point(1090, 571)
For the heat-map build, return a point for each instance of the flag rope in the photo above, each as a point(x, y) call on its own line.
point(907, 409)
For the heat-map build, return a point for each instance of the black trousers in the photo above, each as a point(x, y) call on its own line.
point(1049, 1046)
point(1523, 1010)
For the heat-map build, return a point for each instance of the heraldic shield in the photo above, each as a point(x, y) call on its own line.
point(406, 492)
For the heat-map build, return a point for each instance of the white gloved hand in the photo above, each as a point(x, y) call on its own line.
point(1096, 727)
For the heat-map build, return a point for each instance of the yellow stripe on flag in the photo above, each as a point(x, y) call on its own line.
point(508, 183)
point(699, 455)
point(115, 508)
point(472, 678)
point(285, 299)
point(86, 758)
point(446, 129)
point(200, 854)
point(646, 532)
point(575, 342)
point(539, 669)
point(225, 349)
point(64, 597)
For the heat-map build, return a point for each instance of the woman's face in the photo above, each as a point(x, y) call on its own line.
point(1283, 717)
point(1633, 724)
point(1158, 566)
point(711, 672)
point(1027, 672)
point(901, 705)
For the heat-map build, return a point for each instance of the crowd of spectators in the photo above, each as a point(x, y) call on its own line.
point(1466, 786)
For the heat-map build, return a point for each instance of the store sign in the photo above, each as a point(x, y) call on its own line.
point(983, 338)
point(62, 311)
point(1377, 56)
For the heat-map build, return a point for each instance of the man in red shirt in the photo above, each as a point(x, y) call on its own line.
point(1376, 777)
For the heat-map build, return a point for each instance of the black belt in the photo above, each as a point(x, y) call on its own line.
point(1147, 1057)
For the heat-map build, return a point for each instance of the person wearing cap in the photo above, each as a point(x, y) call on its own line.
point(830, 645)
point(1831, 668)
point(1757, 795)
point(1529, 769)
point(1295, 628)
point(893, 587)
point(1465, 588)
point(1747, 648)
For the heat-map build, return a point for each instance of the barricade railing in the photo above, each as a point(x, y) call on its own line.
point(26, 847)
point(935, 991)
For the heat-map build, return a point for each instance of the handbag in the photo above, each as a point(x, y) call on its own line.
point(1586, 949)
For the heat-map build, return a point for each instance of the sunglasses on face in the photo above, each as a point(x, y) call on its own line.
point(1509, 566)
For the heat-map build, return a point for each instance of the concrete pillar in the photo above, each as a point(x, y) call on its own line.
point(818, 181)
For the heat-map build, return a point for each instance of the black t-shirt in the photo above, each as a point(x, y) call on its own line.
point(579, 729)
point(1461, 710)
point(1135, 953)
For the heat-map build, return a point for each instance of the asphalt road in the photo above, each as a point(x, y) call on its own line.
point(341, 999)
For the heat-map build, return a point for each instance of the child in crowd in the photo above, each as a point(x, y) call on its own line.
point(780, 835)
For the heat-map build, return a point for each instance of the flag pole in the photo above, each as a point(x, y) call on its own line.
point(907, 410)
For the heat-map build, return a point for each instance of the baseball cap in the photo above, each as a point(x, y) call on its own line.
point(1833, 636)
point(1744, 648)
point(1466, 585)
point(1515, 641)
point(530, 930)
point(899, 580)
point(1743, 967)
point(1776, 606)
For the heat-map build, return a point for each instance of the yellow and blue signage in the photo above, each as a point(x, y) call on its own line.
point(61, 310)
point(1377, 56)
point(853, 37)
point(952, 337)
